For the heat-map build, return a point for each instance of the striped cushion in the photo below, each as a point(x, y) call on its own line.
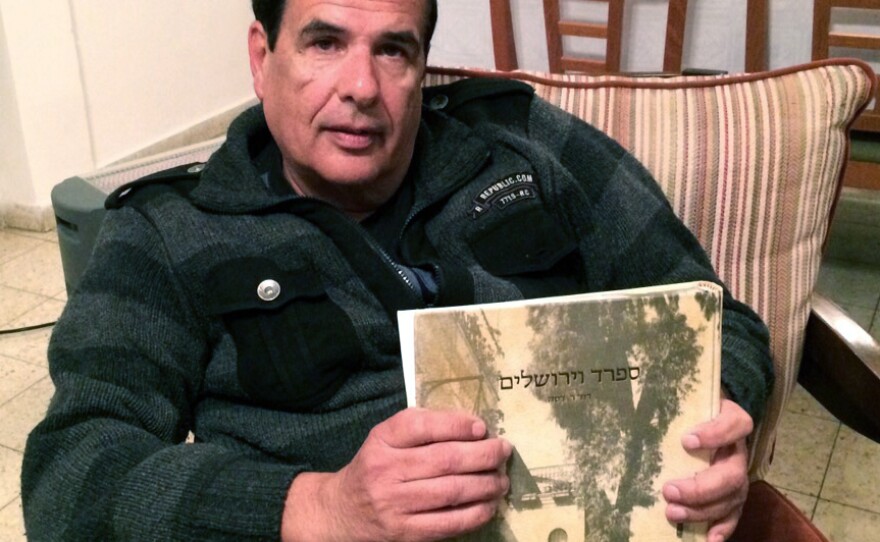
point(751, 163)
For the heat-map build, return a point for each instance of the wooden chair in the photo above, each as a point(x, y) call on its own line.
point(864, 166)
point(824, 38)
point(611, 31)
point(502, 35)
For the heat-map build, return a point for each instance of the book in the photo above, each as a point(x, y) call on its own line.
point(594, 391)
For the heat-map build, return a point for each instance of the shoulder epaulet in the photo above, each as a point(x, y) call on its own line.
point(483, 99)
point(181, 179)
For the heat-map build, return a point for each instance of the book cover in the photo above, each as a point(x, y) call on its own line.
point(594, 391)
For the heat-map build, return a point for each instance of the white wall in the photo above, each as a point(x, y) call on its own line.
point(84, 83)
point(42, 99)
point(13, 156)
point(151, 69)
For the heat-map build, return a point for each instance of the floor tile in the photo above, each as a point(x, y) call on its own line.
point(12, 523)
point(22, 415)
point(38, 271)
point(30, 346)
point(51, 235)
point(853, 472)
point(15, 245)
point(14, 303)
point(796, 466)
point(47, 311)
point(17, 376)
point(10, 475)
point(62, 296)
point(805, 503)
point(801, 402)
point(27, 346)
point(850, 284)
point(846, 524)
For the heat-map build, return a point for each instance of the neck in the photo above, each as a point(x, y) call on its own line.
point(357, 200)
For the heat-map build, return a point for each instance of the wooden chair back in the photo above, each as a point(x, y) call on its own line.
point(824, 38)
point(611, 31)
point(503, 38)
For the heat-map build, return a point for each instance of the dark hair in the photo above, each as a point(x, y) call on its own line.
point(270, 13)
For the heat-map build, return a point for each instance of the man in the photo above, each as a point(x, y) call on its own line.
point(255, 306)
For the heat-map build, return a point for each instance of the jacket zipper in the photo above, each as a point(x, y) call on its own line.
point(384, 256)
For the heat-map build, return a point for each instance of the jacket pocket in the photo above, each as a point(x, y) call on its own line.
point(295, 346)
point(530, 250)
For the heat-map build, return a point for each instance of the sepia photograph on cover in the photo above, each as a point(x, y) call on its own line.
point(594, 391)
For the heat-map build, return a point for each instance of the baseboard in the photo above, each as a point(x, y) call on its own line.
point(27, 217)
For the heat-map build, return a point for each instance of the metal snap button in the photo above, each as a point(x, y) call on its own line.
point(196, 168)
point(269, 290)
point(439, 102)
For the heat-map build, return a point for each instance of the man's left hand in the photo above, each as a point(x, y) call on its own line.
point(717, 494)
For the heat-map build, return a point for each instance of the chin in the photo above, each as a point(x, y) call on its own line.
point(352, 176)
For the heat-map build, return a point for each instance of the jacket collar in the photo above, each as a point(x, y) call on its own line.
point(446, 154)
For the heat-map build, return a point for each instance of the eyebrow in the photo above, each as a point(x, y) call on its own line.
point(403, 38)
point(317, 27)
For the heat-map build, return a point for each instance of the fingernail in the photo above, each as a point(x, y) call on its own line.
point(690, 442)
point(506, 447)
point(675, 513)
point(671, 493)
point(479, 429)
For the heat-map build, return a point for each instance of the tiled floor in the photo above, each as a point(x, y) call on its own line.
point(31, 292)
point(832, 473)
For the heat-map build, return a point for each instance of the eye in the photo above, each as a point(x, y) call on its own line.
point(325, 44)
point(393, 51)
point(390, 50)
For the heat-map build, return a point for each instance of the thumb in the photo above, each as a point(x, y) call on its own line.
point(731, 425)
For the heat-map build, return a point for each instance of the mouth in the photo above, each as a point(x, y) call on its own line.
point(354, 138)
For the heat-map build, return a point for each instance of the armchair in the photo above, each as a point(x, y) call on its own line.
point(753, 165)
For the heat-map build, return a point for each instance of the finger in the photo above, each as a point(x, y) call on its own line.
point(708, 513)
point(732, 424)
point(418, 426)
point(451, 458)
point(454, 521)
point(725, 481)
point(453, 491)
point(723, 529)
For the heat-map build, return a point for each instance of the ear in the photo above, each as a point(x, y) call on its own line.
point(258, 51)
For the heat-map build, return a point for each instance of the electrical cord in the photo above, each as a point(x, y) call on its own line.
point(27, 328)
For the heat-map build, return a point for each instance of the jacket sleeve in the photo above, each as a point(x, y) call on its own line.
point(618, 211)
point(110, 461)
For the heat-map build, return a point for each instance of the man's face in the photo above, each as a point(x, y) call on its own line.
point(341, 94)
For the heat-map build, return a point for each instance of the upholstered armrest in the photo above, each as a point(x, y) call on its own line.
point(841, 368)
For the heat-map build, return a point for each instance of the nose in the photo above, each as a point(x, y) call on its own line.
point(357, 80)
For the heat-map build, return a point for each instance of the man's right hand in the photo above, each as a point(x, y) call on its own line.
point(420, 475)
